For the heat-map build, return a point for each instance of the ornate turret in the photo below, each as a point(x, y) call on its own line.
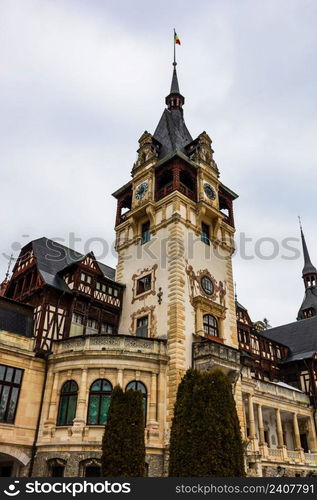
point(171, 132)
point(175, 100)
point(309, 275)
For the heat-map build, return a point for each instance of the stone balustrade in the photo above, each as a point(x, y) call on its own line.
point(99, 342)
point(280, 391)
point(209, 354)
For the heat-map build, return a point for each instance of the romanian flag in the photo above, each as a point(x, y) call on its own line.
point(176, 39)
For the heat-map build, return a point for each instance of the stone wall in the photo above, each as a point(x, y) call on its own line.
point(74, 463)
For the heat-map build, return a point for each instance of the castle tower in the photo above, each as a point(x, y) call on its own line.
point(174, 238)
point(309, 275)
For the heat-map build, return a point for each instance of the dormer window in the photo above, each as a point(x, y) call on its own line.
point(309, 313)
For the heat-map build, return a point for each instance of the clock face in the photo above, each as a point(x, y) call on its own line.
point(141, 190)
point(209, 191)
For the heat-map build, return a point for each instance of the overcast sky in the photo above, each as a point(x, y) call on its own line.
point(82, 79)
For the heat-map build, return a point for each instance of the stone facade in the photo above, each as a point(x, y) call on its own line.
point(16, 440)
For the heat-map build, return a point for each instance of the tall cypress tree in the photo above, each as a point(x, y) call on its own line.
point(123, 449)
point(134, 446)
point(205, 436)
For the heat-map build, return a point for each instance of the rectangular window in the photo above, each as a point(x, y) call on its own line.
point(115, 292)
point(86, 278)
point(144, 284)
point(107, 328)
point(77, 318)
point(205, 233)
point(145, 233)
point(142, 326)
point(92, 323)
point(10, 385)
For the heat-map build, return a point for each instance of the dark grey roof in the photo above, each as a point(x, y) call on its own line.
point(308, 266)
point(309, 302)
point(229, 191)
point(241, 306)
point(172, 132)
point(299, 336)
point(52, 258)
point(174, 85)
point(16, 317)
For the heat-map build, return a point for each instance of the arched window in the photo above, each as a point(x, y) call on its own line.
point(210, 325)
point(67, 403)
point(99, 402)
point(136, 385)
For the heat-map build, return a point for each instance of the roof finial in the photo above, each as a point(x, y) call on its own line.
point(300, 222)
point(9, 266)
point(235, 291)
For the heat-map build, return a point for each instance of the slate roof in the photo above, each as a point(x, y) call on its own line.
point(52, 258)
point(308, 268)
point(172, 132)
point(174, 86)
point(299, 336)
point(309, 302)
point(241, 306)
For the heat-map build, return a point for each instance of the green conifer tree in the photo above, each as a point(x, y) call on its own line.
point(123, 449)
point(205, 436)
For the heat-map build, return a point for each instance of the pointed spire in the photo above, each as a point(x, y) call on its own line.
point(308, 268)
point(175, 100)
point(174, 86)
point(309, 274)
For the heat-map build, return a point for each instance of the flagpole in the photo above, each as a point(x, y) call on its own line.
point(174, 63)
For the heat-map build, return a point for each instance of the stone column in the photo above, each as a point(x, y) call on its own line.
point(261, 426)
point(153, 399)
point(120, 377)
point(53, 404)
point(161, 398)
point(279, 428)
point(312, 435)
point(296, 433)
point(252, 434)
point(80, 418)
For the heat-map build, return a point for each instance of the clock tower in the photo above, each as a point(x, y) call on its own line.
point(174, 238)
